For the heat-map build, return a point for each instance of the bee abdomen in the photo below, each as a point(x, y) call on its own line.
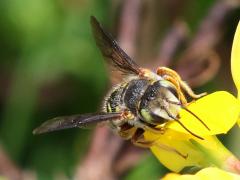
point(113, 102)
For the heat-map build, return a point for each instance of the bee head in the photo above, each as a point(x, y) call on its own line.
point(160, 103)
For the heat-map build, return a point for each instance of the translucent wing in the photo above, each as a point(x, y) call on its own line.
point(111, 50)
point(74, 121)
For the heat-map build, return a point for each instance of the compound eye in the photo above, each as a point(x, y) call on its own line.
point(152, 95)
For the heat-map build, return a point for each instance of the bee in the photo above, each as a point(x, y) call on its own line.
point(143, 101)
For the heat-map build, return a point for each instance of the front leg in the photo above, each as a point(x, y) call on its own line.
point(179, 92)
point(177, 81)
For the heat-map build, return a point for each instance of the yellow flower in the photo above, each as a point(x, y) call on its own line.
point(235, 59)
point(219, 110)
point(177, 149)
point(204, 174)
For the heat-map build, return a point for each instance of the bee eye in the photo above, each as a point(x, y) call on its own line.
point(152, 95)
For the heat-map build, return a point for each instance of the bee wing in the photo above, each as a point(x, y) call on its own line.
point(74, 121)
point(111, 50)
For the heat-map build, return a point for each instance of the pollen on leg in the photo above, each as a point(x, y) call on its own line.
point(127, 115)
point(161, 71)
point(164, 71)
point(146, 73)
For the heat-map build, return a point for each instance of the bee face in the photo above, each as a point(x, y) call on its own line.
point(159, 103)
point(142, 103)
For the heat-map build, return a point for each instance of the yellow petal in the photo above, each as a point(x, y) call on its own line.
point(238, 121)
point(171, 147)
point(235, 59)
point(204, 174)
point(175, 151)
point(174, 176)
point(219, 111)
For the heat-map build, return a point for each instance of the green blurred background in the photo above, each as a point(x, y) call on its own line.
point(50, 66)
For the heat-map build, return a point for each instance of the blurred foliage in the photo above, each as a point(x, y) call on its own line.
point(44, 42)
point(148, 168)
point(50, 66)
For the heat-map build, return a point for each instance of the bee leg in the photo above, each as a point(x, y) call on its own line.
point(138, 140)
point(170, 149)
point(126, 131)
point(181, 96)
point(145, 127)
point(164, 71)
point(190, 92)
